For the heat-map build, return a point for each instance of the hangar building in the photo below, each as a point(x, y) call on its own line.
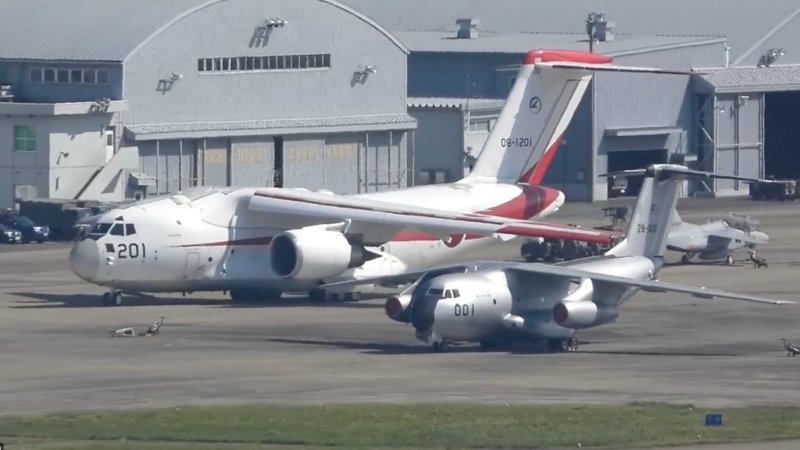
point(106, 99)
point(737, 116)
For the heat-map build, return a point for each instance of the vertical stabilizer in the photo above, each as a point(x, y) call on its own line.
point(652, 216)
point(537, 111)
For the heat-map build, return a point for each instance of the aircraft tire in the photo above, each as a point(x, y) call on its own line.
point(729, 260)
point(106, 298)
point(116, 299)
point(317, 295)
point(685, 259)
point(440, 347)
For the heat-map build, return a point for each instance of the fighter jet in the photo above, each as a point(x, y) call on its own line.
point(715, 240)
point(791, 349)
point(257, 242)
point(491, 302)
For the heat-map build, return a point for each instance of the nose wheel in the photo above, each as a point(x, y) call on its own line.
point(113, 298)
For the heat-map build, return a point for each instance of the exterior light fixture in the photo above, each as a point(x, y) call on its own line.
point(275, 22)
point(769, 58)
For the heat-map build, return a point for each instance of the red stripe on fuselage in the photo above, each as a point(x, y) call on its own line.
point(249, 241)
point(529, 203)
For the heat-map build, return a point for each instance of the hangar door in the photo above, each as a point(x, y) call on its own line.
point(782, 136)
point(634, 159)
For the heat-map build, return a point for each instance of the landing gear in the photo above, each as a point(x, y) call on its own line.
point(112, 298)
point(440, 347)
point(685, 259)
point(729, 260)
point(254, 295)
point(562, 345)
point(322, 296)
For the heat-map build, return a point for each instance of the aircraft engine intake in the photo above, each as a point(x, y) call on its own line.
point(583, 314)
point(307, 254)
point(396, 308)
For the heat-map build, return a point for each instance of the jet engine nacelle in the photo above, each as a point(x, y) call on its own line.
point(396, 308)
point(583, 314)
point(308, 254)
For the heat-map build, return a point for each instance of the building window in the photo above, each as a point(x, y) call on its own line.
point(102, 76)
point(36, 74)
point(264, 63)
point(72, 76)
point(24, 139)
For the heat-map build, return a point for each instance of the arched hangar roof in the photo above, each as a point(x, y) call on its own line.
point(101, 30)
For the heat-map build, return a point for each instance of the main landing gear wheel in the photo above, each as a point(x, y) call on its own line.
point(112, 298)
point(322, 296)
point(562, 345)
point(440, 347)
point(685, 259)
point(729, 260)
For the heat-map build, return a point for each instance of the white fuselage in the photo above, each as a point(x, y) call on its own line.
point(208, 239)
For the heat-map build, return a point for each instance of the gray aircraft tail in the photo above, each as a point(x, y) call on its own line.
point(651, 219)
point(654, 213)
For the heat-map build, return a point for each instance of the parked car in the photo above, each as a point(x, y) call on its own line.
point(29, 230)
point(9, 235)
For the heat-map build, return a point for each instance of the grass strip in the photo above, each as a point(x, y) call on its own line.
point(415, 426)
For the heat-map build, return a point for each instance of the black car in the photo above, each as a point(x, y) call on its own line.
point(9, 235)
point(30, 231)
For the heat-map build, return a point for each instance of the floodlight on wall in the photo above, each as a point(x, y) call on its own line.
point(769, 58)
point(592, 20)
point(274, 22)
point(360, 76)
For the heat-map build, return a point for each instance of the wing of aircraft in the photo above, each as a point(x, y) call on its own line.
point(577, 275)
point(650, 285)
point(376, 221)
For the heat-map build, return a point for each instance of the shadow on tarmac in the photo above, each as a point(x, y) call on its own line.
point(34, 300)
point(372, 348)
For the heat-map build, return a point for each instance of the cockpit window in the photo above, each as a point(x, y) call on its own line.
point(448, 294)
point(436, 292)
point(101, 228)
point(117, 230)
point(130, 229)
point(456, 294)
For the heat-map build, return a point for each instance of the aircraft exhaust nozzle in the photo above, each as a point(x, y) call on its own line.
point(396, 308)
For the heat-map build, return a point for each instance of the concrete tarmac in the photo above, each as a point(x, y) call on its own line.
point(56, 353)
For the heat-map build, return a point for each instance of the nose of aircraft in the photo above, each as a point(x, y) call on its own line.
point(84, 259)
point(761, 236)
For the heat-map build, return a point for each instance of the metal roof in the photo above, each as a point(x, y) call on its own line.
point(144, 132)
point(748, 25)
point(752, 79)
point(95, 30)
point(472, 104)
point(488, 42)
point(99, 30)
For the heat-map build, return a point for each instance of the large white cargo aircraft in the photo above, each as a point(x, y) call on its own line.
point(259, 242)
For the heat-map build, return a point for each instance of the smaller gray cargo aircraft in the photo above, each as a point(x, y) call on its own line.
point(499, 302)
point(715, 240)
